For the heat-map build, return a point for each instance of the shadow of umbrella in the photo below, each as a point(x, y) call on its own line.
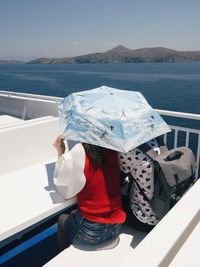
point(51, 187)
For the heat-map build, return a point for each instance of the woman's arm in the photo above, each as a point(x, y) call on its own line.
point(59, 145)
point(68, 174)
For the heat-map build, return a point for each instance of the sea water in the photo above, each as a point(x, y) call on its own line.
point(168, 86)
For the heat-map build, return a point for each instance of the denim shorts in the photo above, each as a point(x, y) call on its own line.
point(80, 231)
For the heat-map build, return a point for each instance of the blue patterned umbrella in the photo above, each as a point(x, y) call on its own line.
point(108, 117)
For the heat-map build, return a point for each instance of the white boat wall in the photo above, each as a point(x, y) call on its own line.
point(28, 197)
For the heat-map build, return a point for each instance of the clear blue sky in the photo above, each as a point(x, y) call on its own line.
point(57, 28)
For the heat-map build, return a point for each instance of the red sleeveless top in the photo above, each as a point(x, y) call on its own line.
point(100, 199)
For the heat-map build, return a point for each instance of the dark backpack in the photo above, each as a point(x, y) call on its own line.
point(174, 174)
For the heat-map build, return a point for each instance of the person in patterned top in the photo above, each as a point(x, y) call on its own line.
point(139, 213)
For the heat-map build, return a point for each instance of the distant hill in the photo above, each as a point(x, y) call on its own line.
point(11, 62)
point(121, 54)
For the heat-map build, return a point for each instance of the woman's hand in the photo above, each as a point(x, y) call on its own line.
point(59, 145)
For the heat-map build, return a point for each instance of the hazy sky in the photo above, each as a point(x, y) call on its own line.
point(57, 28)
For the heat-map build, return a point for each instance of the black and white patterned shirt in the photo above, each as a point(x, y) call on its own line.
point(141, 168)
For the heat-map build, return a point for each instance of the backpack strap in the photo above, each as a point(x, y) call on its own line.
point(161, 144)
point(146, 149)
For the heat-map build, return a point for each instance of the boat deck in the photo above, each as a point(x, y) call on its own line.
point(166, 245)
point(91, 257)
point(28, 127)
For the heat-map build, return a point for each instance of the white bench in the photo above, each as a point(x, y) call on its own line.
point(172, 236)
point(129, 239)
point(188, 255)
point(27, 193)
point(28, 197)
point(6, 120)
point(165, 244)
point(28, 143)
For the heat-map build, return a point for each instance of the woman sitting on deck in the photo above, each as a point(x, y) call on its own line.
point(93, 174)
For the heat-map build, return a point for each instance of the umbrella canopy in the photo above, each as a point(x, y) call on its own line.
point(108, 117)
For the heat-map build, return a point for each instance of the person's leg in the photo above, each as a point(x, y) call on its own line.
point(131, 219)
point(61, 233)
point(62, 236)
point(94, 233)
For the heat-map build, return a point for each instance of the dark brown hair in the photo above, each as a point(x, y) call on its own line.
point(95, 154)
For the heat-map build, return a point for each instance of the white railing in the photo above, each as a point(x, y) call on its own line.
point(188, 133)
point(187, 136)
point(27, 106)
point(33, 106)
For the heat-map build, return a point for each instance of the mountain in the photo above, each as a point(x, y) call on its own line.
point(121, 54)
point(2, 61)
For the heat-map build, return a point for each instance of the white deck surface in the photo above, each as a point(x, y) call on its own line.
point(71, 256)
point(28, 196)
point(27, 143)
point(175, 241)
point(189, 256)
point(172, 236)
point(27, 192)
point(6, 120)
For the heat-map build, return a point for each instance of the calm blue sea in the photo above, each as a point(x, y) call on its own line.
point(166, 86)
